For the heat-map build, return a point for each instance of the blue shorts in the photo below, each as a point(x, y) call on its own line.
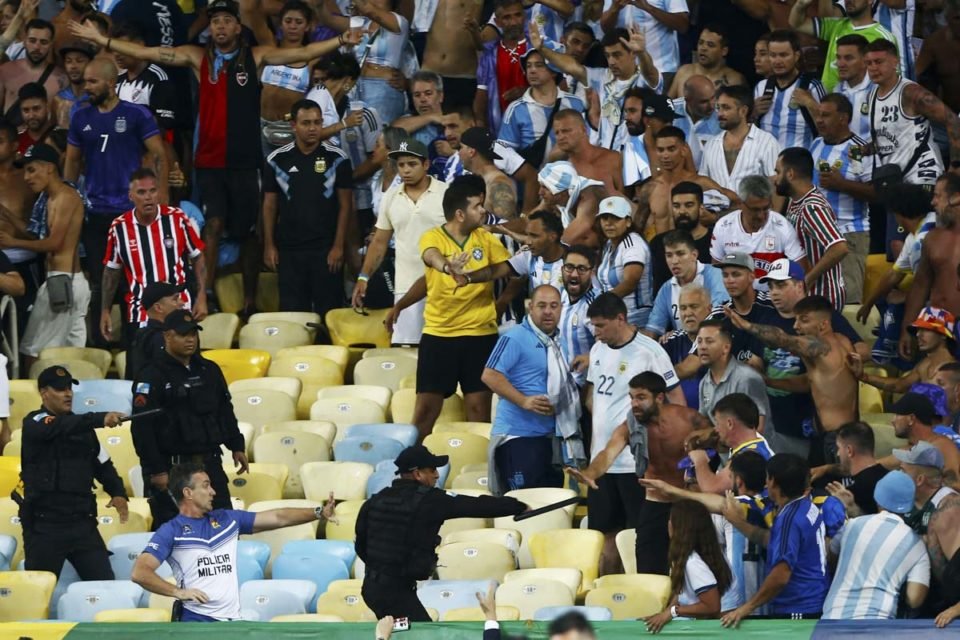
point(190, 616)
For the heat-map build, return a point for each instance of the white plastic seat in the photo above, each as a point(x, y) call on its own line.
point(406, 434)
point(271, 598)
point(91, 396)
point(530, 595)
point(83, 600)
point(125, 549)
point(259, 407)
point(380, 395)
point(347, 480)
point(277, 538)
point(370, 450)
point(386, 371)
point(346, 412)
point(272, 336)
point(452, 594)
point(290, 386)
point(293, 449)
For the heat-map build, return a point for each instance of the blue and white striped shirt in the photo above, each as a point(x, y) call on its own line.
point(666, 307)
point(526, 119)
point(548, 20)
point(662, 42)
point(383, 47)
point(859, 97)
point(852, 214)
point(788, 125)
point(697, 133)
point(636, 162)
point(879, 553)
point(537, 272)
point(576, 330)
point(359, 142)
point(899, 22)
point(632, 249)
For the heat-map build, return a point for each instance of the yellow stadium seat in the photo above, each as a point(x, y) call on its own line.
point(290, 386)
point(262, 406)
point(656, 584)
point(229, 290)
point(507, 538)
point(467, 524)
point(347, 480)
point(10, 525)
point(273, 336)
point(463, 448)
point(627, 548)
point(559, 519)
point(528, 595)
point(470, 480)
point(408, 382)
point(156, 601)
point(460, 426)
point(345, 528)
point(625, 602)
point(350, 607)
point(13, 447)
point(26, 595)
point(24, 398)
point(386, 371)
point(314, 372)
point(324, 429)
point(569, 577)
point(100, 357)
point(351, 329)
point(132, 615)
point(120, 363)
point(475, 614)
point(344, 413)
point(254, 487)
point(380, 395)
point(885, 440)
point(307, 617)
point(292, 449)
point(79, 369)
point(474, 560)
point(279, 537)
point(296, 317)
point(865, 330)
point(108, 520)
point(391, 352)
point(332, 352)
point(405, 400)
point(219, 330)
point(118, 442)
point(349, 585)
point(9, 474)
point(253, 360)
point(268, 292)
point(578, 548)
point(871, 400)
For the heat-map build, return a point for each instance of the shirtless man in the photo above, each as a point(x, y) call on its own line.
point(48, 328)
point(824, 353)
point(936, 278)
point(13, 75)
point(662, 429)
point(589, 160)
point(75, 56)
point(16, 198)
point(655, 206)
point(711, 61)
point(939, 61)
point(477, 154)
point(574, 198)
point(451, 49)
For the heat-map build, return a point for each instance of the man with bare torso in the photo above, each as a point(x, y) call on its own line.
point(824, 353)
point(656, 433)
point(710, 61)
point(938, 64)
point(451, 49)
point(589, 160)
point(59, 314)
point(477, 154)
point(36, 65)
point(16, 203)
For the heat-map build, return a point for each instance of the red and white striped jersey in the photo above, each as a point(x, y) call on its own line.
point(152, 253)
point(816, 225)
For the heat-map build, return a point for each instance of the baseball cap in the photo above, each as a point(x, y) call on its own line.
point(658, 106)
point(39, 153)
point(418, 457)
point(919, 405)
point(615, 206)
point(155, 291)
point(737, 259)
point(784, 269)
point(411, 147)
point(895, 492)
point(526, 54)
point(181, 321)
point(480, 139)
point(223, 6)
point(922, 454)
point(78, 46)
point(57, 377)
point(935, 319)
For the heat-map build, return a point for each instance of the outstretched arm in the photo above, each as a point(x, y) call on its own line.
point(185, 56)
point(810, 347)
point(921, 102)
point(566, 63)
point(276, 55)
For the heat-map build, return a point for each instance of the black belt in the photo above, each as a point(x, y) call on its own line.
point(196, 458)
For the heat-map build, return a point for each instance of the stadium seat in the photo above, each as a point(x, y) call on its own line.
point(118, 442)
point(307, 617)
point(91, 396)
point(24, 398)
point(656, 584)
point(347, 480)
point(593, 614)
point(385, 371)
point(353, 585)
point(460, 426)
point(568, 576)
point(247, 430)
point(351, 329)
point(408, 382)
point(257, 360)
point(625, 602)
point(99, 357)
point(370, 450)
point(124, 550)
point(865, 330)
point(318, 568)
point(26, 595)
point(463, 448)
point(270, 598)
point(79, 369)
point(273, 336)
point(262, 406)
point(258, 551)
point(156, 601)
point(506, 538)
point(302, 318)
point(314, 372)
point(9, 474)
point(341, 549)
point(380, 480)
point(346, 412)
point(380, 395)
point(109, 524)
point(529, 595)
point(290, 386)
point(405, 434)
point(885, 439)
point(10, 526)
point(475, 614)
point(391, 352)
point(219, 330)
point(120, 363)
point(404, 401)
point(254, 487)
point(334, 353)
point(293, 449)
point(558, 519)
point(474, 560)
point(579, 548)
point(84, 599)
point(323, 428)
point(871, 400)
point(463, 524)
point(444, 595)
point(345, 528)
point(8, 549)
point(470, 480)
point(132, 615)
point(346, 605)
point(276, 538)
point(627, 548)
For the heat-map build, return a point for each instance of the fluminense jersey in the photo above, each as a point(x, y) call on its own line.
point(777, 239)
point(903, 140)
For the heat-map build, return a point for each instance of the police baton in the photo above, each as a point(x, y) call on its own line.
point(142, 414)
point(546, 509)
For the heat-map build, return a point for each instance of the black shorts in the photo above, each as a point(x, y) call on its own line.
point(458, 92)
point(653, 538)
point(616, 504)
point(444, 362)
point(233, 195)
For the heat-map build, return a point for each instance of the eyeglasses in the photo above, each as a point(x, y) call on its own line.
point(579, 268)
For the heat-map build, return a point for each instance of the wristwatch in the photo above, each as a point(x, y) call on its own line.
point(673, 611)
point(318, 511)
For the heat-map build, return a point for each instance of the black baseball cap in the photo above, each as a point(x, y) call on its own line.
point(223, 6)
point(56, 377)
point(480, 139)
point(418, 457)
point(38, 153)
point(410, 147)
point(181, 321)
point(658, 106)
point(156, 291)
point(916, 404)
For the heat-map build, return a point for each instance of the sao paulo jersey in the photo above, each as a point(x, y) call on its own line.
point(776, 239)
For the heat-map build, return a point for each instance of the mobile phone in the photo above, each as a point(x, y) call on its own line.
point(401, 624)
point(768, 92)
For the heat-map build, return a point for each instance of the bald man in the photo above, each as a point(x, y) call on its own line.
point(710, 60)
point(697, 114)
point(109, 139)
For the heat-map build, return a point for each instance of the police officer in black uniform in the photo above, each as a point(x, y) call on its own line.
point(60, 459)
point(397, 532)
point(159, 299)
point(197, 418)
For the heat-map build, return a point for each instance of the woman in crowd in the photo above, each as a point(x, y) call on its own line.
point(624, 259)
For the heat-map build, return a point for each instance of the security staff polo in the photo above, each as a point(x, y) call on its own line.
point(197, 418)
point(397, 532)
point(60, 459)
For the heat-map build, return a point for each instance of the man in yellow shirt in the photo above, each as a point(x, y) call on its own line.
point(460, 319)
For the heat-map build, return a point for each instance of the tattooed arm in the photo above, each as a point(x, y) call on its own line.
point(943, 526)
point(810, 347)
point(642, 213)
point(184, 56)
point(920, 101)
point(502, 199)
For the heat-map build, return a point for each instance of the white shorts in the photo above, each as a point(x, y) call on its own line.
point(409, 325)
point(48, 329)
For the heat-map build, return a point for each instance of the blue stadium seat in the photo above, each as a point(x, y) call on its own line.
point(343, 549)
point(321, 569)
point(594, 614)
point(388, 469)
point(404, 433)
point(83, 600)
point(126, 547)
point(91, 396)
point(368, 449)
point(266, 599)
point(259, 551)
point(451, 594)
point(8, 547)
point(248, 568)
point(380, 480)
